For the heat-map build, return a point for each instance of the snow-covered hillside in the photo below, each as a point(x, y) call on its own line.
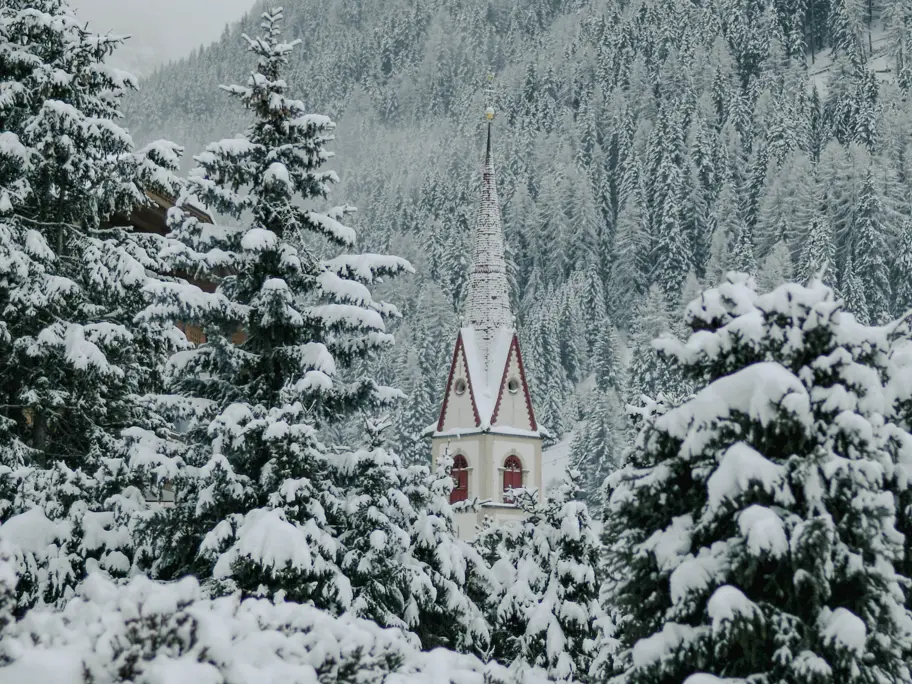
point(879, 61)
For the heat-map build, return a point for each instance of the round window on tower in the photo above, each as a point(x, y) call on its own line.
point(513, 385)
point(460, 386)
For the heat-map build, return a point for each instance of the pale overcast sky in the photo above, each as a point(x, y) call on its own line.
point(160, 29)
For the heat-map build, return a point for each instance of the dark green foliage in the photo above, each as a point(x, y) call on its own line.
point(752, 533)
point(74, 361)
point(261, 507)
point(547, 612)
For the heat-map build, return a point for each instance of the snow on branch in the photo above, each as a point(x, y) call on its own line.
point(332, 228)
point(180, 300)
point(762, 391)
point(156, 632)
point(367, 268)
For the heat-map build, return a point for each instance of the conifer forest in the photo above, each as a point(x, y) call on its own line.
point(459, 342)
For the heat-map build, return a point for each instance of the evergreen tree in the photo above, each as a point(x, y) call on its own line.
point(548, 379)
point(548, 611)
point(651, 374)
point(460, 575)
point(846, 29)
point(592, 301)
point(674, 256)
point(518, 221)
point(818, 257)
point(853, 291)
point(585, 219)
point(8, 581)
point(776, 268)
point(871, 253)
point(378, 516)
point(746, 512)
point(726, 230)
point(596, 448)
point(392, 515)
point(609, 369)
point(75, 364)
point(898, 23)
point(743, 257)
point(259, 509)
point(902, 272)
point(630, 270)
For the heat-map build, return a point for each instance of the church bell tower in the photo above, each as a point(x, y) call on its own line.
point(487, 423)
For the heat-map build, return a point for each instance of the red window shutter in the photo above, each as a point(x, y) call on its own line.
point(512, 476)
point(460, 474)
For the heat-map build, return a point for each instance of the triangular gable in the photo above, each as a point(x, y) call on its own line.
point(459, 354)
point(515, 354)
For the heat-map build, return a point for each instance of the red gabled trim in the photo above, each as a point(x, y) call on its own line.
point(522, 374)
point(514, 347)
point(449, 384)
point(503, 380)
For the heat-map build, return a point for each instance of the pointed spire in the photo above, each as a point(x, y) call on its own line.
point(488, 302)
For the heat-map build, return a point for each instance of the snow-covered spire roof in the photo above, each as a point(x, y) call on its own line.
point(487, 307)
point(486, 389)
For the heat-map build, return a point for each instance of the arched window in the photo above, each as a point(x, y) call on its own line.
point(460, 474)
point(512, 477)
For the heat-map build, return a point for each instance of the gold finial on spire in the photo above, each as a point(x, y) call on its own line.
point(489, 97)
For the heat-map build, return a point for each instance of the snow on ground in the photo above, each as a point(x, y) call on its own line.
point(821, 62)
point(555, 461)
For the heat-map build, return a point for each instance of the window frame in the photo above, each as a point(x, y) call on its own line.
point(512, 477)
point(459, 472)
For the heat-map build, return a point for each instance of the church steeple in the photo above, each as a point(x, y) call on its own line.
point(487, 308)
point(486, 422)
point(487, 388)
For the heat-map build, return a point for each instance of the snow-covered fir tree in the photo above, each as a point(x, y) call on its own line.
point(459, 574)
point(902, 272)
point(609, 366)
point(73, 359)
point(376, 541)
point(818, 255)
point(9, 578)
point(597, 446)
point(548, 612)
point(259, 506)
point(752, 534)
point(650, 373)
point(853, 292)
point(776, 268)
point(400, 551)
point(871, 252)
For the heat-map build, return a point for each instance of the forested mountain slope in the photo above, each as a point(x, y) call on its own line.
point(644, 147)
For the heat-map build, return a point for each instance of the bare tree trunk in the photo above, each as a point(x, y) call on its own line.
point(40, 436)
point(810, 34)
point(870, 21)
